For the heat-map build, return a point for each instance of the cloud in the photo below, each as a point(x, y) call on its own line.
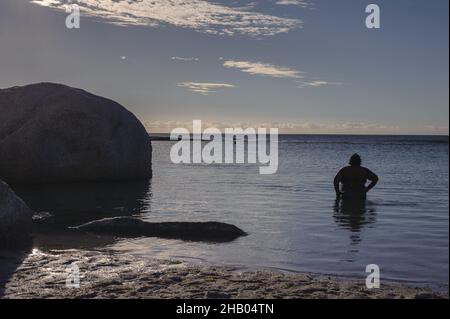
point(286, 127)
point(177, 58)
point(366, 126)
point(336, 127)
point(199, 15)
point(317, 83)
point(205, 88)
point(264, 69)
point(300, 3)
point(437, 129)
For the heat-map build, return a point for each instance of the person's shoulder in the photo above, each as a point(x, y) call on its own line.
point(341, 172)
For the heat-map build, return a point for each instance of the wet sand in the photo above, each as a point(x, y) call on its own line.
point(108, 275)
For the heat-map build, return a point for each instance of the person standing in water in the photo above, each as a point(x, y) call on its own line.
point(353, 179)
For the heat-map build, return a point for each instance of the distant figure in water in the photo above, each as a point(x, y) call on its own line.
point(353, 179)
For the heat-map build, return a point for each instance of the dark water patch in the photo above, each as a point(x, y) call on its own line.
point(59, 206)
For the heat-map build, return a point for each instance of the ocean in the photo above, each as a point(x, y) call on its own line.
point(292, 218)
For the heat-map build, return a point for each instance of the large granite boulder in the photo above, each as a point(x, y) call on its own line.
point(54, 133)
point(15, 218)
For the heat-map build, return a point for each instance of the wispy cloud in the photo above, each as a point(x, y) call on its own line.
point(263, 69)
point(200, 15)
point(266, 69)
point(177, 58)
point(205, 88)
point(300, 3)
point(317, 83)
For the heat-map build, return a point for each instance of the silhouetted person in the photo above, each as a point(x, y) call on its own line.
point(353, 179)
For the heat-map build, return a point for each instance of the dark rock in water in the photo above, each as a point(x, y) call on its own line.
point(15, 218)
point(129, 227)
point(54, 133)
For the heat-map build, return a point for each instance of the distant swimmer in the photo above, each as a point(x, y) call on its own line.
point(353, 179)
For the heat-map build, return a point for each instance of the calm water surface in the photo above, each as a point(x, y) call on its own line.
point(292, 219)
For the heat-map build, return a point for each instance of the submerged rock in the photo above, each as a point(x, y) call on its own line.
point(129, 227)
point(55, 133)
point(15, 218)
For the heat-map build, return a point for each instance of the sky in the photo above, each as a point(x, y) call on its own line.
point(304, 66)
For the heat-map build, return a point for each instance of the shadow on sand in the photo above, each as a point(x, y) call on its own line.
point(354, 215)
point(10, 260)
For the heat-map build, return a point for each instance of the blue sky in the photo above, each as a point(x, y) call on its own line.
point(303, 66)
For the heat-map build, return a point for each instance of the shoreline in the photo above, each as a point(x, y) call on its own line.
point(112, 275)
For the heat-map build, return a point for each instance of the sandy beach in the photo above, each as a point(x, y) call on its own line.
point(107, 275)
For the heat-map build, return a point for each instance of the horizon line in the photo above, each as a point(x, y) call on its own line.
point(341, 134)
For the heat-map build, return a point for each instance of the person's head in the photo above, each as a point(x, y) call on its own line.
point(355, 160)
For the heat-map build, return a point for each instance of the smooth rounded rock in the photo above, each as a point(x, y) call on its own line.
point(52, 133)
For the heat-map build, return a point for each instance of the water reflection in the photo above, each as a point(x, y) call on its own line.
point(61, 206)
point(354, 215)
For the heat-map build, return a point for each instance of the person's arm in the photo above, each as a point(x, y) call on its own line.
point(373, 178)
point(337, 181)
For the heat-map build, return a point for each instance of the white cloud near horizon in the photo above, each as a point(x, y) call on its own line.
point(280, 125)
point(308, 127)
point(263, 69)
point(199, 15)
point(205, 88)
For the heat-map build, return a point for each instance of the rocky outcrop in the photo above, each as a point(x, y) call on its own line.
point(54, 133)
point(129, 227)
point(15, 218)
